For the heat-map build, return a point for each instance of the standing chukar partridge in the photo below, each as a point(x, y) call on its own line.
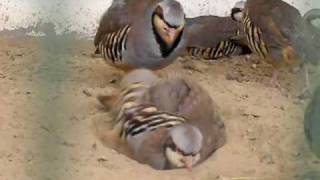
point(141, 34)
point(276, 32)
point(158, 138)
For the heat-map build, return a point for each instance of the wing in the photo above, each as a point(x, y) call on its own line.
point(201, 111)
point(167, 94)
point(150, 151)
point(189, 100)
point(277, 20)
point(289, 20)
point(121, 15)
point(116, 17)
point(208, 31)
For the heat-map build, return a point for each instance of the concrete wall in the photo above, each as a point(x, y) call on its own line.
point(82, 16)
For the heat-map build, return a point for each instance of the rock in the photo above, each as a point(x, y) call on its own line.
point(234, 76)
point(2, 76)
point(87, 92)
point(268, 159)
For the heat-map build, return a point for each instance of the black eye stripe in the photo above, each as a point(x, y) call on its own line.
point(160, 15)
point(235, 10)
point(171, 26)
point(174, 148)
point(183, 153)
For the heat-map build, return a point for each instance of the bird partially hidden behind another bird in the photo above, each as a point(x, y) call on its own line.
point(209, 37)
point(276, 32)
point(312, 123)
point(161, 139)
point(141, 34)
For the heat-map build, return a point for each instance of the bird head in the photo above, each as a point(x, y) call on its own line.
point(183, 146)
point(144, 76)
point(168, 20)
point(237, 11)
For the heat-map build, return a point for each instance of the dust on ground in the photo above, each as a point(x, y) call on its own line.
point(47, 115)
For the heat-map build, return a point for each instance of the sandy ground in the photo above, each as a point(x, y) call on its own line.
point(47, 121)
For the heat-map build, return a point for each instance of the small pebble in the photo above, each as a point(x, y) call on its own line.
point(234, 76)
point(87, 92)
point(267, 159)
point(102, 159)
point(2, 76)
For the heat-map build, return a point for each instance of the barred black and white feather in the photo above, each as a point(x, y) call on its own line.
point(211, 37)
point(223, 49)
point(113, 45)
point(253, 34)
point(135, 117)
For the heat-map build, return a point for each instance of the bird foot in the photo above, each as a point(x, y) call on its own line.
point(305, 94)
point(274, 83)
point(94, 55)
point(190, 65)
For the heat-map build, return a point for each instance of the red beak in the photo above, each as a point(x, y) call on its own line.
point(171, 33)
point(188, 163)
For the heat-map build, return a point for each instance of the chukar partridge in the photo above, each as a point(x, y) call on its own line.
point(276, 32)
point(186, 98)
point(179, 101)
point(141, 34)
point(158, 138)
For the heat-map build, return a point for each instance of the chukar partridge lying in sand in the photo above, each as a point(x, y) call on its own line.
point(165, 124)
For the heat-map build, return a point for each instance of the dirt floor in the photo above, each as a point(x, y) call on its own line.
point(47, 115)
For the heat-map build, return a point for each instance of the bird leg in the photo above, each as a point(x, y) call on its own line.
point(306, 90)
point(274, 82)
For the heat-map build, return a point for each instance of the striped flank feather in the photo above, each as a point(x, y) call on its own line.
point(135, 117)
point(113, 44)
point(253, 34)
point(224, 48)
